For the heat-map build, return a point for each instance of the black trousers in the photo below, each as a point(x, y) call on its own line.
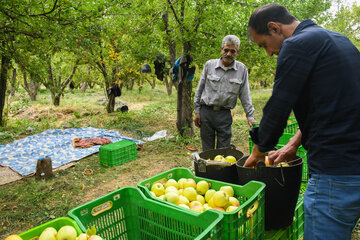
point(215, 124)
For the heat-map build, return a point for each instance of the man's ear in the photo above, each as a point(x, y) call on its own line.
point(273, 27)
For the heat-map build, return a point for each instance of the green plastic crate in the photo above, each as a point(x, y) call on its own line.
point(291, 127)
point(57, 223)
point(276, 235)
point(296, 229)
point(247, 222)
point(283, 140)
point(117, 153)
point(127, 214)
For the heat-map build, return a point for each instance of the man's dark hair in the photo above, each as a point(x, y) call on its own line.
point(273, 12)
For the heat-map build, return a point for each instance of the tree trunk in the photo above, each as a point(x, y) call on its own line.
point(168, 84)
point(83, 86)
point(13, 83)
point(31, 89)
point(3, 79)
point(111, 104)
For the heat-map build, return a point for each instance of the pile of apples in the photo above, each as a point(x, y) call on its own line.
point(198, 197)
point(65, 233)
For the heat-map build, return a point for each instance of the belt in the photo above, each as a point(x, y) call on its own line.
point(215, 108)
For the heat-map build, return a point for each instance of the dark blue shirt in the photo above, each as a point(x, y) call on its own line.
point(318, 77)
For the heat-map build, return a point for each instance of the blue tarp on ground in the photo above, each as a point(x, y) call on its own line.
point(22, 155)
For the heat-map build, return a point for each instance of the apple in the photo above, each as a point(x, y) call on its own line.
point(219, 158)
point(95, 237)
point(219, 209)
point(189, 182)
point(209, 193)
point(82, 236)
point(181, 182)
point(206, 207)
point(184, 206)
point(158, 189)
point(231, 208)
point(230, 159)
point(234, 202)
point(190, 193)
point(13, 237)
point(48, 234)
point(202, 186)
point(171, 189)
point(172, 182)
point(172, 197)
point(267, 162)
point(183, 200)
point(197, 208)
point(193, 203)
point(200, 199)
point(67, 233)
point(228, 189)
point(180, 191)
point(211, 203)
point(220, 198)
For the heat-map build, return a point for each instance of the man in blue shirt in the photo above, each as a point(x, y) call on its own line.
point(318, 77)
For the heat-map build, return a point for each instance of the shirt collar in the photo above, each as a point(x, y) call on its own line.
point(220, 65)
point(303, 25)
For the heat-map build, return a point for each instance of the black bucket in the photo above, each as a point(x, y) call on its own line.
point(218, 172)
point(281, 191)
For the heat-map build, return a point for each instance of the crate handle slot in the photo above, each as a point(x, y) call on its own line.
point(116, 197)
point(84, 211)
point(101, 208)
point(252, 209)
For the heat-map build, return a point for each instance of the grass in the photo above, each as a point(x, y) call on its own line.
point(29, 202)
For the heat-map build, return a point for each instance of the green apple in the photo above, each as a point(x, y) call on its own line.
point(202, 186)
point(190, 193)
point(219, 158)
point(228, 189)
point(209, 193)
point(158, 189)
point(189, 182)
point(181, 182)
point(66, 233)
point(220, 199)
point(171, 197)
point(172, 182)
point(230, 159)
point(48, 234)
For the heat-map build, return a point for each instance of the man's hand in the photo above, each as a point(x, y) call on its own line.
point(255, 157)
point(197, 119)
point(250, 122)
point(284, 154)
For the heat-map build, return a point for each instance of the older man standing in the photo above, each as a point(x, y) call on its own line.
point(222, 82)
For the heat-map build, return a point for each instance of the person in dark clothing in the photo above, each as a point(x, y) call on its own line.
point(159, 65)
point(318, 77)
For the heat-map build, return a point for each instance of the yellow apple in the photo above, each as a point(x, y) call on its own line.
point(66, 233)
point(158, 189)
point(171, 189)
point(189, 182)
point(172, 182)
point(234, 202)
point(194, 203)
point(211, 203)
point(202, 186)
point(180, 191)
point(13, 237)
point(228, 189)
point(95, 237)
point(183, 200)
point(181, 182)
point(206, 207)
point(231, 208)
point(201, 199)
point(48, 234)
point(82, 236)
point(190, 193)
point(219, 209)
point(171, 197)
point(230, 159)
point(220, 199)
point(209, 193)
point(219, 158)
point(184, 206)
point(197, 208)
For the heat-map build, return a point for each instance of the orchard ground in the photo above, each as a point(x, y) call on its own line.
point(28, 203)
